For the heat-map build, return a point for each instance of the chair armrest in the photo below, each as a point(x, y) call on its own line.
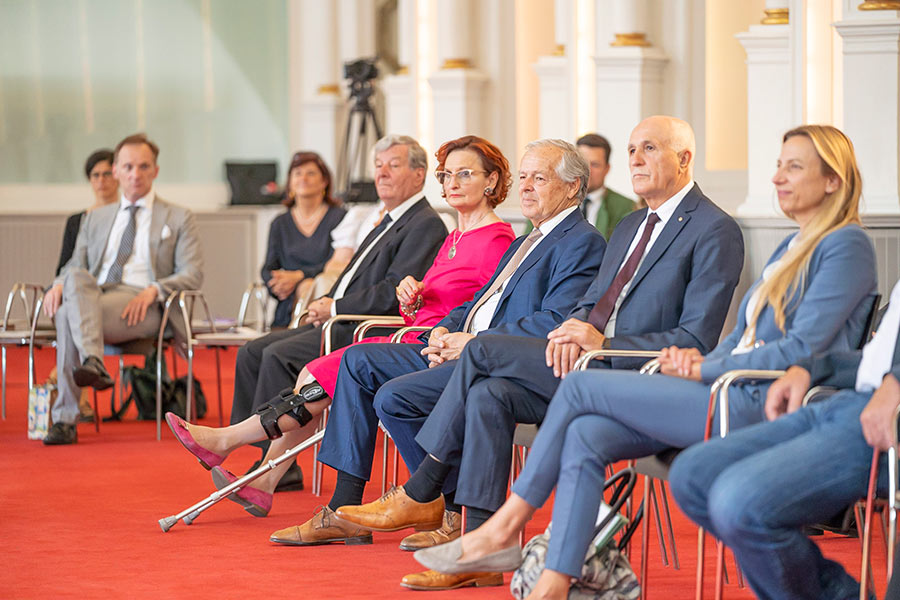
point(398, 336)
point(818, 393)
point(328, 325)
point(720, 388)
point(381, 322)
point(651, 367)
point(259, 292)
point(582, 363)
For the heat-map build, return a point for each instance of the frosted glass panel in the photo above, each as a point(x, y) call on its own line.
point(206, 79)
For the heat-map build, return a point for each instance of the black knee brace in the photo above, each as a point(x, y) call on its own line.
point(287, 402)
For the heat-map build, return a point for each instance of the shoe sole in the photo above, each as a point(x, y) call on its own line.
point(90, 379)
point(416, 526)
point(183, 445)
point(361, 540)
point(472, 583)
point(254, 509)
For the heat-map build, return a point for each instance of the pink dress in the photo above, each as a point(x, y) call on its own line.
point(447, 284)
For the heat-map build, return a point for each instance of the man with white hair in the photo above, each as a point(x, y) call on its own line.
point(666, 279)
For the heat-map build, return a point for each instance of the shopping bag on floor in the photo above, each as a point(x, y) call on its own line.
point(40, 401)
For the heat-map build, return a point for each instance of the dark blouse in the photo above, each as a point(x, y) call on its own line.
point(73, 224)
point(289, 249)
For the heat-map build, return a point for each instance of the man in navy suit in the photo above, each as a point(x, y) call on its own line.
point(535, 285)
point(667, 279)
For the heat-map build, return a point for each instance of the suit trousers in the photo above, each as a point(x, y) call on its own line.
point(367, 370)
point(757, 487)
point(599, 417)
point(269, 364)
point(499, 380)
point(88, 318)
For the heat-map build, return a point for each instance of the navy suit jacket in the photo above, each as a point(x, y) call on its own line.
point(544, 287)
point(829, 313)
point(681, 292)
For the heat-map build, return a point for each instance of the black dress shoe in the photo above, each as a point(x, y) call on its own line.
point(93, 374)
point(61, 433)
point(292, 480)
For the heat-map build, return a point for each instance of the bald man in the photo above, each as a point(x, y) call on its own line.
point(666, 279)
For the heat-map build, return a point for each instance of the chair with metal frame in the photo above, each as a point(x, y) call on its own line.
point(18, 332)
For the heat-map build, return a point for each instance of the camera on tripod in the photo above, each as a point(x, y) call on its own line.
point(351, 168)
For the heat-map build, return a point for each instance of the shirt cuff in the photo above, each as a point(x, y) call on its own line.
point(334, 308)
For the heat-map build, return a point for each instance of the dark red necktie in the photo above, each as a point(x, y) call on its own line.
point(601, 312)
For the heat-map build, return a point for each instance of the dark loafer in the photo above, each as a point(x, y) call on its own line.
point(61, 433)
point(93, 374)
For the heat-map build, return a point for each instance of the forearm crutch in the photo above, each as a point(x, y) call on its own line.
point(192, 512)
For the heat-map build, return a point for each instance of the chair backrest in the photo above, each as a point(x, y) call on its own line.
point(29, 295)
point(872, 320)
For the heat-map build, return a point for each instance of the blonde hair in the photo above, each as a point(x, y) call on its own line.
point(839, 208)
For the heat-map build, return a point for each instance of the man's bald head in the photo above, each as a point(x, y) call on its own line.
point(661, 158)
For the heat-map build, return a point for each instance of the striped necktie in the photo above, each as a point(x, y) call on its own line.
point(125, 247)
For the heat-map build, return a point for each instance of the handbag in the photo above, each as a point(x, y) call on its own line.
point(606, 574)
point(143, 392)
point(40, 401)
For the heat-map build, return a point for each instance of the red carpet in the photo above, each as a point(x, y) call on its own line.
point(81, 522)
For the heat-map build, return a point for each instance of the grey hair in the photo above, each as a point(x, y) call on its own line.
point(571, 166)
point(418, 159)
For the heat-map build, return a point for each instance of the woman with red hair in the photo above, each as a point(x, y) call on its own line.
point(475, 178)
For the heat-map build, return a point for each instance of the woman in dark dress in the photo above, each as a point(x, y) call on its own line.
point(99, 172)
point(300, 239)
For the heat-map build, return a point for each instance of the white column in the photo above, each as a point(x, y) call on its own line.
point(556, 105)
point(629, 72)
point(771, 104)
point(400, 88)
point(458, 89)
point(321, 101)
point(871, 53)
point(357, 30)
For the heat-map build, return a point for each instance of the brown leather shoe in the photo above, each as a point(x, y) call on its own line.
point(394, 511)
point(323, 528)
point(449, 531)
point(432, 580)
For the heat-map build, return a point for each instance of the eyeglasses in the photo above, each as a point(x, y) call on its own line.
point(463, 176)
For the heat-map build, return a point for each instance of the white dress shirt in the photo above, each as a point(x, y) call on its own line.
point(592, 204)
point(664, 212)
point(878, 354)
point(355, 225)
point(395, 214)
point(482, 318)
point(137, 271)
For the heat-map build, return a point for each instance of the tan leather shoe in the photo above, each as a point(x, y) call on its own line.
point(323, 528)
point(449, 531)
point(432, 580)
point(394, 511)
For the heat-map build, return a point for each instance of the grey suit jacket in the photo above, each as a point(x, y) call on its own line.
point(176, 259)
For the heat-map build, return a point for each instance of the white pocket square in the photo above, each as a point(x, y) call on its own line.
point(166, 233)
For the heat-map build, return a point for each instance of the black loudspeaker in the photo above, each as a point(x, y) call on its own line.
point(253, 183)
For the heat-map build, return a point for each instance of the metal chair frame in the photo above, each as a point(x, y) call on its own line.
point(31, 297)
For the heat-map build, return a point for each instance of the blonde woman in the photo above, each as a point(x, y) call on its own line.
point(813, 296)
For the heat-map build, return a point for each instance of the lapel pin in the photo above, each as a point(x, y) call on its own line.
point(680, 219)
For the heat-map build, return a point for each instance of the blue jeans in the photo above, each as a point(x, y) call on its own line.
point(756, 488)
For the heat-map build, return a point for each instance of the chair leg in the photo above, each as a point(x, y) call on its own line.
point(3, 376)
point(698, 582)
point(645, 539)
point(384, 462)
point(219, 387)
point(667, 515)
point(96, 413)
point(191, 401)
point(659, 529)
point(720, 569)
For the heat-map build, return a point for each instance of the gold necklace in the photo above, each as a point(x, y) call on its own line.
point(452, 252)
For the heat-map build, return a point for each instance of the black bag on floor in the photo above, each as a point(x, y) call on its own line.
point(174, 393)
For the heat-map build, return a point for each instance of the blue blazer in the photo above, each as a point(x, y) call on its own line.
point(681, 292)
point(545, 286)
point(828, 314)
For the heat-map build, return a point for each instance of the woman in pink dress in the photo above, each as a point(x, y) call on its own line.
point(475, 177)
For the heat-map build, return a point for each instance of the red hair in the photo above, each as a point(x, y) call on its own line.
point(492, 160)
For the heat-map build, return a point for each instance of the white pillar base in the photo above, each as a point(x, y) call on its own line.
point(555, 106)
point(872, 53)
point(459, 96)
point(400, 105)
point(629, 89)
point(322, 127)
point(769, 110)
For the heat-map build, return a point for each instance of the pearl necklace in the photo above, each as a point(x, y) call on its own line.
point(452, 252)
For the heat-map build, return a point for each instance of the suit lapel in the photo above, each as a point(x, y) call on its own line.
point(158, 217)
point(676, 223)
point(105, 224)
point(602, 220)
point(614, 257)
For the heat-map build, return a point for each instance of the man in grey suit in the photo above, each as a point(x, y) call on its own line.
point(128, 257)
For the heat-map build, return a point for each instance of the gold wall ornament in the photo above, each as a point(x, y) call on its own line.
point(880, 5)
point(456, 63)
point(403, 70)
point(560, 50)
point(331, 89)
point(630, 39)
point(776, 16)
